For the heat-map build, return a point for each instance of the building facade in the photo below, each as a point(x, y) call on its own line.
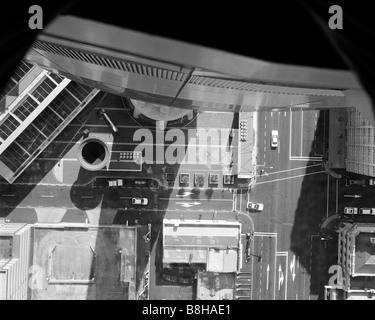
point(360, 150)
point(356, 263)
point(215, 244)
point(15, 259)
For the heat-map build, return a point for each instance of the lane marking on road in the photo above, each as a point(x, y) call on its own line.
point(7, 195)
point(281, 253)
point(290, 134)
point(212, 199)
point(301, 131)
point(337, 195)
point(294, 158)
point(87, 197)
point(289, 178)
point(47, 196)
point(293, 169)
point(265, 234)
point(327, 194)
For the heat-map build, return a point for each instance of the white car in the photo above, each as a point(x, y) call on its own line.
point(274, 138)
point(366, 210)
point(252, 206)
point(140, 201)
point(350, 210)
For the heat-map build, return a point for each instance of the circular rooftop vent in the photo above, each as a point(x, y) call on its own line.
point(93, 154)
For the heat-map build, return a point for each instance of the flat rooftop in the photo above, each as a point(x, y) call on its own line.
point(85, 263)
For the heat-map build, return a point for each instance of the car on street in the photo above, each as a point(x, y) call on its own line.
point(254, 207)
point(366, 210)
point(115, 183)
point(361, 182)
point(350, 210)
point(168, 277)
point(140, 201)
point(274, 138)
point(185, 280)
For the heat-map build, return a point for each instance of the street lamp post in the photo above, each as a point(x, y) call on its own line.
point(254, 255)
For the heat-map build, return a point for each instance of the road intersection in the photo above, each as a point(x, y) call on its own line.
point(297, 192)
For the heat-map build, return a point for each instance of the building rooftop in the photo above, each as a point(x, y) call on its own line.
point(86, 262)
point(35, 112)
point(215, 243)
point(364, 263)
point(215, 286)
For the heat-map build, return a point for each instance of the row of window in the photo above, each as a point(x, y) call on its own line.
point(27, 106)
point(363, 154)
point(355, 119)
point(360, 136)
point(111, 63)
point(44, 126)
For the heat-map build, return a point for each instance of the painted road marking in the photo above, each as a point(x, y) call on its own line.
point(87, 197)
point(265, 234)
point(185, 194)
point(292, 267)
point(304, 167)
point(282, 272)
point(281, 276)
point(288, 178)
point(298, 158)
point(337, 195)
point(178, 199)
point(7, 195)
point(327, 213)
point(188, 204)
point(301, 131)
point(47, 196)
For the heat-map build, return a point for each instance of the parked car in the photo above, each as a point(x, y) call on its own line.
point(185, 280)
point(361, 182)
point(115, 183)
point(274, 138)
point(254, 207)
point(168, 277)
point(140, 201)
point(366, 210)
point(350, 210)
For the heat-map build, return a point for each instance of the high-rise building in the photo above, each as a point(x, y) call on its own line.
point(356, 263)
point(360, 145)
point(35, 107)
point(15, 259)
point(168, 72)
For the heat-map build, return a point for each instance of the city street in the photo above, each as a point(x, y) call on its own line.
point(291, 189)
point(286, 259)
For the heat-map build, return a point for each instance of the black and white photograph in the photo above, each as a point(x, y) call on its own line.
point(181, 152)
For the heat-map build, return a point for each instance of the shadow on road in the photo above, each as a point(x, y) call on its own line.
point(311, 209)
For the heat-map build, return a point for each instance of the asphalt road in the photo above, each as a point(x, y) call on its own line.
point(290, 170)
point(296, 192)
